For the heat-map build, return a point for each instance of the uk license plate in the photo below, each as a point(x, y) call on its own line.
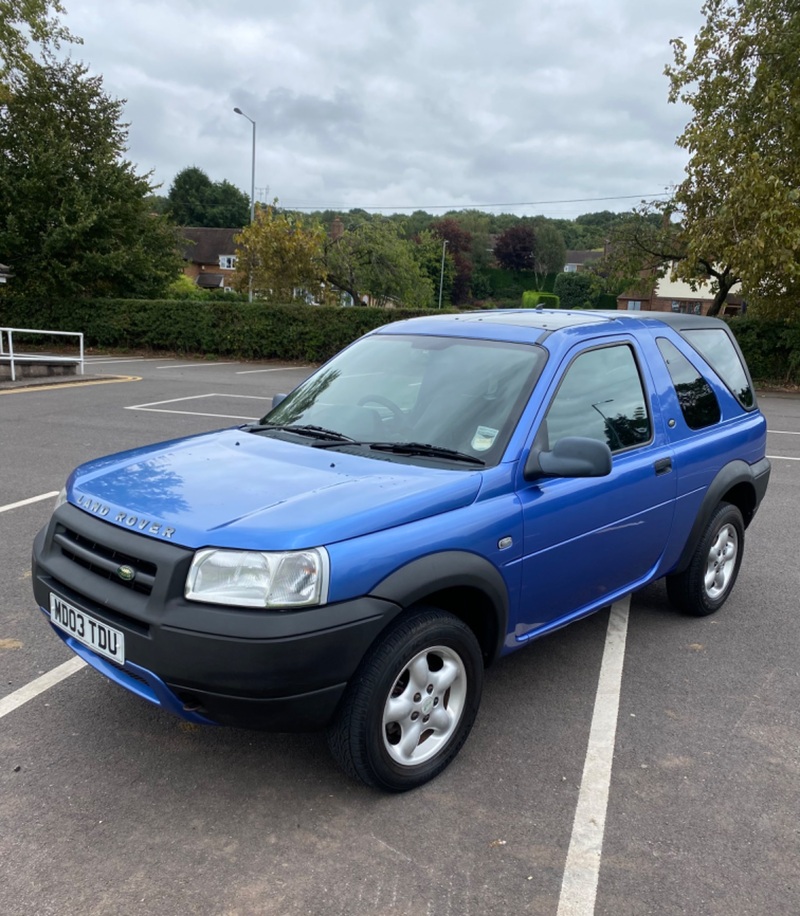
point(96, 635)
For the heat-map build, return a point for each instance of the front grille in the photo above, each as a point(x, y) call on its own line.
point(104, 561)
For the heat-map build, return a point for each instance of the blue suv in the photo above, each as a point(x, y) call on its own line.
point(437, 495)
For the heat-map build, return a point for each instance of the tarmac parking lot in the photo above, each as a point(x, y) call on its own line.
point(638, 762)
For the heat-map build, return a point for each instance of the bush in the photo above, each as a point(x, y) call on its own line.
point(771, 348)
point(239, 329)
point(498, 283)
point(574, 290)
point(532, 298)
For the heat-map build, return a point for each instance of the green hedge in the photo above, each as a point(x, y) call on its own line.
point(532, 298)
point(498, 283)
point(244, 330)
point(303, 332)
point(771, 348)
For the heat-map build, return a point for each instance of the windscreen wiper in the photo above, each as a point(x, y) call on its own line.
point(424, 449)
point(315, 432)
point(330, 438)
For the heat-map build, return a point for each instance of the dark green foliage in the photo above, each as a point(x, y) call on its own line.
point(605, 301)
point(510, 284)
point(771, 348)
point(238, 329)
point(313, 334)
point(574, 290)
point(75, 221)
point(195, 200)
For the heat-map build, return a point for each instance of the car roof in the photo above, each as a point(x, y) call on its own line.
point(533, 325)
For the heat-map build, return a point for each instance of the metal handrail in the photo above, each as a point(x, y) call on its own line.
point(9, 332)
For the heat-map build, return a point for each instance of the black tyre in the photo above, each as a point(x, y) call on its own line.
point(705, 585)
point(411, 705)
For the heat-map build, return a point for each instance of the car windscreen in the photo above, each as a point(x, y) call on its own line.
point(454, 393)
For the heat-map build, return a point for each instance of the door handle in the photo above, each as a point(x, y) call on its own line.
point(663, 466)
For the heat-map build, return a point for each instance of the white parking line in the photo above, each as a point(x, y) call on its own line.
point(194, 413)
point(30, 501)
point(197, 365)
point(282, 369)
point(157, 406)
point(122, 359)
point(45, 682)
point(781, 458)
point(782, 432)
point(582, 871)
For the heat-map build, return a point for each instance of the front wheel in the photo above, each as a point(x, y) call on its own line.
point(704, 586)
point(411, 705)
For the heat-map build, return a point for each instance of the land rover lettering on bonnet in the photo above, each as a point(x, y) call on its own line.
point(442, 492)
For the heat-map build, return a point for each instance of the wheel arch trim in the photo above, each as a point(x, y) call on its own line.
point(418, 580)
point(735, 474)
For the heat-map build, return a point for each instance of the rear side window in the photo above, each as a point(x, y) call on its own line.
point(601, 396)
point(719, 352)
point(698, 402)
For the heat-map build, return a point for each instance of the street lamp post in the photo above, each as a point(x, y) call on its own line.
point(252, 193)
point(441, 275)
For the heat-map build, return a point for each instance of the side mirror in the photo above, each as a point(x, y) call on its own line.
point(572, 456)
point(277, 400)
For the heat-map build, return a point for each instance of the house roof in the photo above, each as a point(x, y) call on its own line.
point(207, 280)
point(583, 256)
point(205, 245)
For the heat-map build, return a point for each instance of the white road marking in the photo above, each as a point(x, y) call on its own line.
point(156, 406)
point(94, 360)
point(283, 369)
point(30, 501)
point(782, 432)
point(194, 413)
point(582, 871)
point(781, 458)
point(197, 397)
point(34, 688)
point(197, 365)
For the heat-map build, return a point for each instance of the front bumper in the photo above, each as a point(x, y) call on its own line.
point(281, 671)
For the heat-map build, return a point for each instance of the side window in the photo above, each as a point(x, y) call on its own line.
point(698, 402)
point(718, 351)
point(601, 396)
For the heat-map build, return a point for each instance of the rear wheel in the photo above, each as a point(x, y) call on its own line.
point(410, 707)
point(704, 586)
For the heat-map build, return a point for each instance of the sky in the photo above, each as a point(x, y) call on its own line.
point(510, 106)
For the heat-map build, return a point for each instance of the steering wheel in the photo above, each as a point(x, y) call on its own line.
point(397, 413)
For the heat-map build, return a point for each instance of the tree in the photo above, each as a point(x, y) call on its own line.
point(575, 291)
point(372, 259)
point(282, 253)
point(550, 253)
point(30, 22)
point(195, 200)
point(74, 216)
point(738, 203)
point(642, 248)
point(515, 248)
point(428, 253)
point(459, 247)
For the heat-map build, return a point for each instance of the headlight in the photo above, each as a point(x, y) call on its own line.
point(251, 578)
point(61, 498)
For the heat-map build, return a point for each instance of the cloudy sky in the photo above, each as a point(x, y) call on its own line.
point(507, 105)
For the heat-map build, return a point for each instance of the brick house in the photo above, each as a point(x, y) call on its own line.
point(677, 296)
point(209, 256)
